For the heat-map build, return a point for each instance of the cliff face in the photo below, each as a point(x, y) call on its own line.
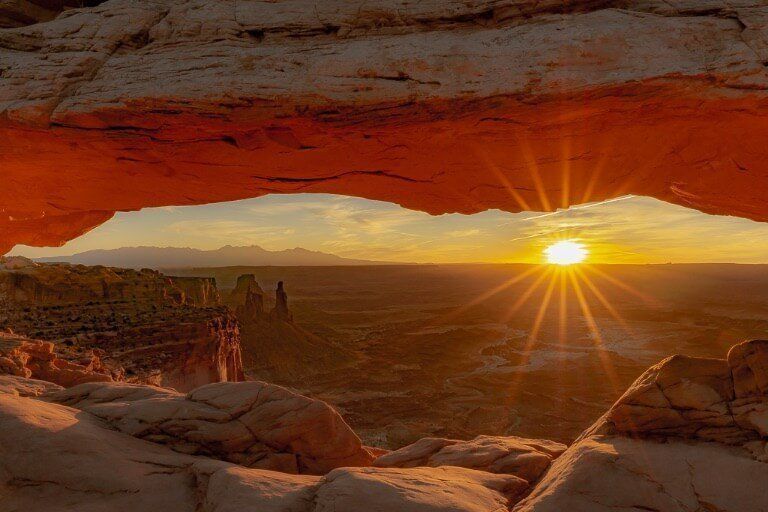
point(147, 327)
point(177, 349)
point(455, 106)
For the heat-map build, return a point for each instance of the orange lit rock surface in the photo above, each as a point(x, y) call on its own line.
point(38, 360)
point(438, 106)
point(168, 447)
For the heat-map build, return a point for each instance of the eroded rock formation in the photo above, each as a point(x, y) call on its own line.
point(253, 424)
point(84, 475)
point(657, 464)
point(438, 106)
point(689, 434)
point(25, 282)
point(248, 298)
point(524, 458)
point(39, 360)
point(146, 327)
point(278, 349)
point(281, 310)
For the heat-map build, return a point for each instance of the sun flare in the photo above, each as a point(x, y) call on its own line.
point(566, 252)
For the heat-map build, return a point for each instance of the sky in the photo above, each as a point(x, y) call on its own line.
point(625, 230)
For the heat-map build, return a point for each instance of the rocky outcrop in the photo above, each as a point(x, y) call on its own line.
point(278, 349)
point(722, 400)
point(18, 13)
point(524, 458)
point(657, 464)
point(180, 349)
point(39, 360)
point(15, 262)
point(97, 466)
point(689, 434)
point(248, 297)
point(439, 106)
point(253, 424)
point(23, 281)
point(281, 311)
point(145, 327)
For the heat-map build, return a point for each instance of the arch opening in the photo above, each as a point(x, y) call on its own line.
point(462, 312)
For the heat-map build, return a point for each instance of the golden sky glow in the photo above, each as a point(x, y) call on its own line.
point(565, 252)
point(624, 230)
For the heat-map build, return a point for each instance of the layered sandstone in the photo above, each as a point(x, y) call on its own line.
point(25, 282)
point(145, 327)
point(439, 106)
point(276, 347)
point(657, 464)
point(39, 360)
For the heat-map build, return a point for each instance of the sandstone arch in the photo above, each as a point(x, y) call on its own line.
point(442, 106)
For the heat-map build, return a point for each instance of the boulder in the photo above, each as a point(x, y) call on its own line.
point(253, 424)
point(690, 434)
point(98, 468)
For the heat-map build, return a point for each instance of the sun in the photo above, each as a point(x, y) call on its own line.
point(566, 252)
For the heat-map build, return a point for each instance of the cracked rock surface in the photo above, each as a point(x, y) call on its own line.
point(688, 436)
point(98, 468)
point(439, 106)
point(525, 458)
point(253, 424)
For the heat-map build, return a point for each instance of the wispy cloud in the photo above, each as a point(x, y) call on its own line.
point(625, 229)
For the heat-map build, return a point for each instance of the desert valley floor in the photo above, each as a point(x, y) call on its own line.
point(397, 351)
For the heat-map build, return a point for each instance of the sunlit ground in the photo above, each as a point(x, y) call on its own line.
point(562, 275)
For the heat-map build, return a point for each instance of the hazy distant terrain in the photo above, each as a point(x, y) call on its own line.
point(161, 257)
point(426, 366)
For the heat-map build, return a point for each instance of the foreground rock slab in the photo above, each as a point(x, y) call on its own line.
point(525, 458)
point(689, 435)
point(669, 444)
point(253, 424)
point(96, 468)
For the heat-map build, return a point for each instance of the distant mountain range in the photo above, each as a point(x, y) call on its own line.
point(227, 256)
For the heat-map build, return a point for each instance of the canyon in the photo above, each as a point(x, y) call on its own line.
point(141, 326)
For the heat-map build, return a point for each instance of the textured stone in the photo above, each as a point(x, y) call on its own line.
point(139, 326)
point(97, 468)
point(524, 458)
point(439, 106)
point(686, 436)
point(600, 474)
point(719, 400)
point(253, 424)
point(22, 357)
